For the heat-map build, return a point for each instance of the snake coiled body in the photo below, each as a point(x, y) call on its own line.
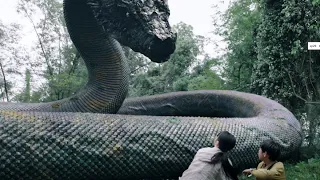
point(151, 137)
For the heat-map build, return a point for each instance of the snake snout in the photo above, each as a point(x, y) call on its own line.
point(161, 49)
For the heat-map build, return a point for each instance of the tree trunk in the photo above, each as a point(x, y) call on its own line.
point(5, 82)
point(313, 113)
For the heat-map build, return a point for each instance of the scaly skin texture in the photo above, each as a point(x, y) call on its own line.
point(81, 137)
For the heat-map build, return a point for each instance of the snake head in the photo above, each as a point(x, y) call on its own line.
point(141, 25)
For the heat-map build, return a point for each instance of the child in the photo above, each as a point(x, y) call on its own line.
point(269, 168)
point(213, 163)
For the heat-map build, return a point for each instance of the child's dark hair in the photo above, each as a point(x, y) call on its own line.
point(226, 142)
point(272, 149)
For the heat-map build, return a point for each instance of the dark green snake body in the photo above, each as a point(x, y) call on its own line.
point(152, 137)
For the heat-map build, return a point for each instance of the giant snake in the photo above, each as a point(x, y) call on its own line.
point(98, 134)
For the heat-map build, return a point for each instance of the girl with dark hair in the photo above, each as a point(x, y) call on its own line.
point(213, 163)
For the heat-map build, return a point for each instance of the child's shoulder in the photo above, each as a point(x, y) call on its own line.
point(260, 165)
point(206, 149)
point(279, 164)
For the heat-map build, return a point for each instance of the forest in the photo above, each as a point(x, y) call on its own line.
point(266, 54)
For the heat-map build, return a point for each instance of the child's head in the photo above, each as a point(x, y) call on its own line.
point(269, 149)
point(225, 141)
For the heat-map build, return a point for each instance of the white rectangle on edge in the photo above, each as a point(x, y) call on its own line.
point(313, 45)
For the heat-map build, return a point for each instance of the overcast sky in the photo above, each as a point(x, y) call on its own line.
point(196, 13)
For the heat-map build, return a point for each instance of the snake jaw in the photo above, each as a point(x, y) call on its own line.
point(141, 25)
point(160, 50)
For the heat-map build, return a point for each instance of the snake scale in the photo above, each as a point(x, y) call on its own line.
point(98, 134)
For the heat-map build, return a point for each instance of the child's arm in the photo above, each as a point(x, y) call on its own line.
point(276, 171)
point(249, 171)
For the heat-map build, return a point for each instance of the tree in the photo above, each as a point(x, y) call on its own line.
point(27, 94)
point(64, 72)
point(10, 58)
point(268, 55)
point(205, 78)
point(286, 70)
point(174, 74)
point(238, 28)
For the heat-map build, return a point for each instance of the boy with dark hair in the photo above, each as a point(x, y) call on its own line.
point(269, 167)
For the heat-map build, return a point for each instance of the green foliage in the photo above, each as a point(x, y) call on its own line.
point(27, 90)
point(25, 96)
point(174, 75)
point(238, 29)
point(205, 78)
point(268, 55)
point(3, 86)
point(267, 48)
point(66, 84)
point(188, 47)
point(304, 170)
point(136, 61)
point(315, 2)
point(9, 58)
point(65, 71)
point(285, 68)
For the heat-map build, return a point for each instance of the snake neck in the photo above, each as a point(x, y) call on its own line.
point(108, 71)
point(107, 68)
